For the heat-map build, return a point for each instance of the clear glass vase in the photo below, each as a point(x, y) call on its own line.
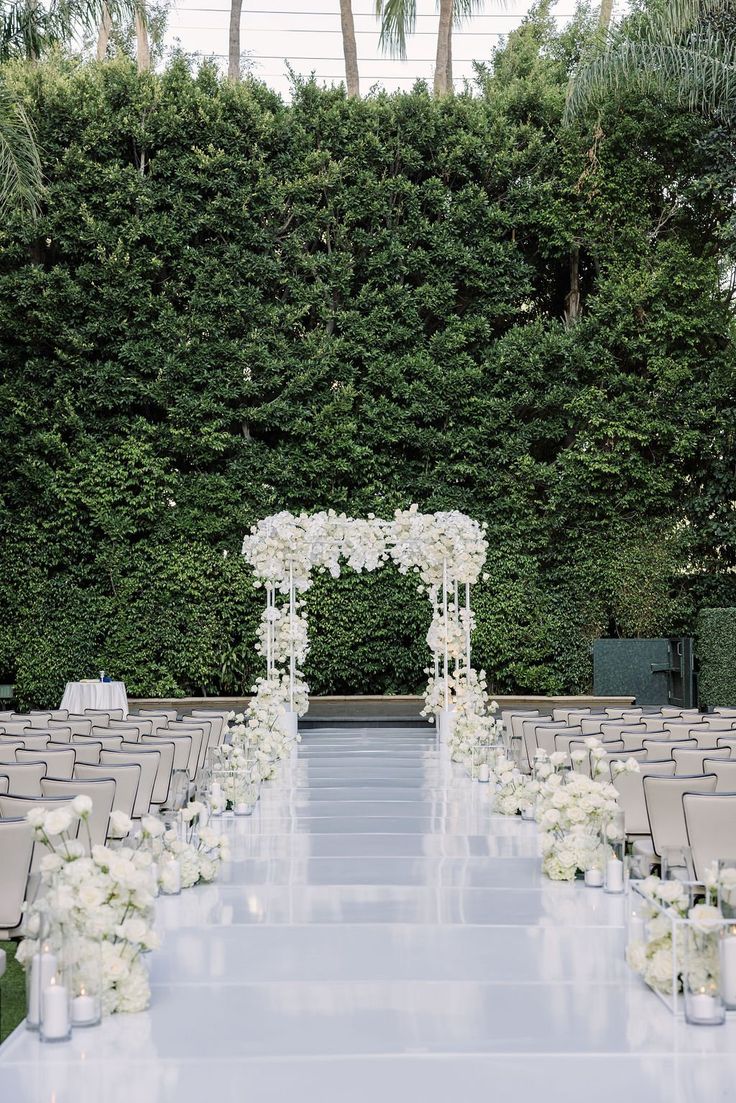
point(86, 978)
point(48, 986)
point(613, 840)
point(701, 978)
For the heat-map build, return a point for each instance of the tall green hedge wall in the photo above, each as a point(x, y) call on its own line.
point(717, 653)
point(232, 305)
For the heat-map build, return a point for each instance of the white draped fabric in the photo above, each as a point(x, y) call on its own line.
point(79, 696)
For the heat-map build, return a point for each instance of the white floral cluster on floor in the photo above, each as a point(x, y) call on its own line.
point(100, 899)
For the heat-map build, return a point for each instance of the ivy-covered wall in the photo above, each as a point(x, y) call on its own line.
point(231, 305)
point(717, 654)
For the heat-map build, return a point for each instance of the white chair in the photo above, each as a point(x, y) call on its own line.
point(198, 745)
point(17, 807)
point(529, 727)
point(710, 823)
point(631, 794)
point(132, 728)
point(59, 763)
point(652, 723)
point(58, 732)
point(169, 714)
point(50, 714)
point(725, 712)
point(659, 750)
point(723, 768)
point(719, 723)
point(673, 711)
point(30, 742)
point(166, 750)
point(545, 734)
point(663, 797)
point(219, 720)
point(126, 777)
point(16, 851)
point(24, 778)
point(591, 724)
point(86, 751)
point(102, 795)
point(563, 739)
point(728, 741)
point(614, 728)
point(149, 760)
point(6, 714)
point(104, 716)
point(566, 713)
point(76, 727)
point(689, 761)
point(7, 751)
point(15, 727)
point(101, 735)
point(207, 731)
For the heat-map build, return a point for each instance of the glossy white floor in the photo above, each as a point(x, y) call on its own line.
point(380, 935)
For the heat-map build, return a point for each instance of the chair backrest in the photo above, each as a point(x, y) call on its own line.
point(102, 735)
point(126, 777)
point(566, 736)
point(689, 760)
point(723, 768)
point(591, 724)
point(75, 726)
point(545, 734)
point(515, 720)
point(670, 711)
point(102, 795)
point(50, 714)
point(4, 783)
point(148, 759)
point(182, 745)
point(614, 728)
point(6, 714)
point(24, 778)
point(219, 719)
point(16, 806)
point(728, 741)
point(707, 738)
point(60, 733)
point(199, 744)
point(631, 794)
point(677, 727)
point(724, 711)
point(529, 737)
point(162, 781)
point(103, 716)
point(7, 751)
point(86, 750)
point(663, 797)
point(658, 750)
point(166, 749)
point(652, 723)
point(710, 822)
point(31, 742)
point(58, 763)
point(170, 714)
point(132, 728)
point(567, 713)
point(719, 723)
point(14, 727)
point(16, 851)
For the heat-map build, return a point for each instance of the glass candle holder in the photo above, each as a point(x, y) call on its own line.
point(676, 863)
point(169, 876)
point(50, 982)
point(40, 969)
point(85, 975)
point(726, 874)
point(701, 978)
point(614, 854)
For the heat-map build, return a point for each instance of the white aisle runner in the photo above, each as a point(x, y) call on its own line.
point(380, 937)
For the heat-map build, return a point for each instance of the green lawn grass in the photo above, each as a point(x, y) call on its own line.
point(12, 992)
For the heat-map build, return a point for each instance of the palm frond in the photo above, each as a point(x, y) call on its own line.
point(27, 28)
point(699, 76)
point(20, 166)
point(398, 20)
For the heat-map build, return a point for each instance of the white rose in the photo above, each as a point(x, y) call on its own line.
point(82, 806)
point(120, 824)
point(58, 821)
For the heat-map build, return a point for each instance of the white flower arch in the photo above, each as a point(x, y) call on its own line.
point(446, 549)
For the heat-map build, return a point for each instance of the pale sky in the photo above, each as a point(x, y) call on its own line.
point(306, 33)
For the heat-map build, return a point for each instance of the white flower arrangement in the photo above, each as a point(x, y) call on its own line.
point(571, 815)
point(105, 896)
point(659, 957)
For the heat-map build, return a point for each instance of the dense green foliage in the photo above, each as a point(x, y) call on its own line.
point(12, 992)
point(717, 652)
point(231, 305)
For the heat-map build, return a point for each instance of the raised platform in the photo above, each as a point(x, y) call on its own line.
point(387, 708)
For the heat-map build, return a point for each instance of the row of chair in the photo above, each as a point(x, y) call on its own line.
point(681, 800)
point(138, 764)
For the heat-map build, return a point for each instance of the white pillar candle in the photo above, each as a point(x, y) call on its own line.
point(614, 875)
point(728, 968)
point(484, 772)
point(594, 878)
point(703, 1007)
point(85, 1009)
point(43, 969)
point(171, 884)
point(55, 1009)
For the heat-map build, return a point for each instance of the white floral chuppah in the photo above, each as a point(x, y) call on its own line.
point(446, 550)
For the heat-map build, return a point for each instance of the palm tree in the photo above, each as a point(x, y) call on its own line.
point(349, 48)
point(20, 166)
point(684, 50)
point(233, 41)
point(142, 45)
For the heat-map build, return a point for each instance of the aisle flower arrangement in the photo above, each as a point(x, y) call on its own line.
point(104, 897)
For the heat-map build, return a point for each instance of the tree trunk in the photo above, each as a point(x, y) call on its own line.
point(448, 70)
point(103, 35)
point(573, 305)
point(233, 42)
point(143, 48)
point(443, 59)
point(349, 48)
point(604, 18)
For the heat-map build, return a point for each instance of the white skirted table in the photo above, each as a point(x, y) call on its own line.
point(79, 696)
